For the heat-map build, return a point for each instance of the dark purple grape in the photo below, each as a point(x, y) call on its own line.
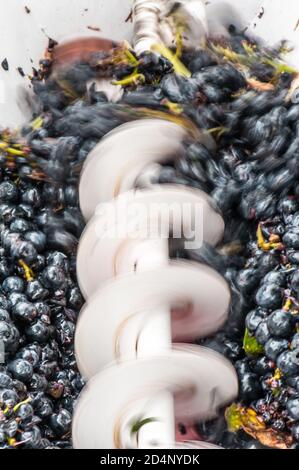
point(262, 333)
point(15, 298)
point(20, 387)
point(6, 269)
point(10, 336)
point(38, 383)
point(8, 397)
point(295, 282)
point(4, 316)
point(281, 324)
point(275, 277)
point(263, 365)
point(55, 390)
point(75, 299)
point(8, 191)
point(53, 195)
point(214, 94)
point(78, 382)
point(293, 408)
point(32, 197)
point(39, 264)
point(200, 59)
point(269, 296)
point(38, 240)
point(48, 369)
point(11, 428)
point(25, 311)
point(24, 250)
point(31, 353)
point(54, 278)
point(249, 387)
point(38, 332)
point(43, 407)
point(25, 211)
point(25, 412)
point(247, 280)
point(31, 438)
point(43, 309)
point(60, 239)
point(288, 206)
point(50, 352)
point(7, 213)
point(295, 220)
point(35, 291)
point(288, 362)
point(21, 370)
point(4, 303)
point(279, 425)
point(295, 342)
point(73, 221)
point(71, 195)
point(291, 238)
point(60, 423)
point(295, 432)
point(58, 259)
point(254, 318)
point(68, 404)
point(267, 262)
point(5, 380)
point(13, 284)
point(274, 347)
point(19, 225)
point(65, 331)
point(292, 113)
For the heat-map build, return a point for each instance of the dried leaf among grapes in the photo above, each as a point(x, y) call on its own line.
point(271, 438)
point(239, 417)
point(251, 345)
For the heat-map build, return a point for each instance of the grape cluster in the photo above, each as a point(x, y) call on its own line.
point(252, 177)
point(269, 379)
point(39, 304)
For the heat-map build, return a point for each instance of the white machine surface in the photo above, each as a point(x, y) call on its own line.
point(25, 25)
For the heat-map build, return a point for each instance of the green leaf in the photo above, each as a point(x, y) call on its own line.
point(139, 423)
point(251, 346)
point(233, 418)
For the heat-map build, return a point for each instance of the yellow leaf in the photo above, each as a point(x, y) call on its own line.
point(178, 66)
point(233, 417)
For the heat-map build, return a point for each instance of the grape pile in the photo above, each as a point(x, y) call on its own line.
point(39, 304)
point(252, 178)
point(241, 94)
